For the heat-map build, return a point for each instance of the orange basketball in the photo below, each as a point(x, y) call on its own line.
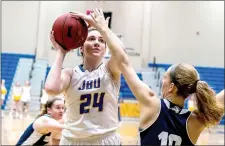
point(69, 31)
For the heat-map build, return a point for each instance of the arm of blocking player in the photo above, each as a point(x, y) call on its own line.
point(45, 125)
point(141, 91)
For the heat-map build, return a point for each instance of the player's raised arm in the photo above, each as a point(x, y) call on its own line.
point(58, 79)
point(141, 91)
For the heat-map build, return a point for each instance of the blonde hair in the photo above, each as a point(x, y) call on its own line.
point(187, 81)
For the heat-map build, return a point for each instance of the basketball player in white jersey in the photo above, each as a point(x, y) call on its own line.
point(91, 90)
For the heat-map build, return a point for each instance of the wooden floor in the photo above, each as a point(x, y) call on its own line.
point(13, 128)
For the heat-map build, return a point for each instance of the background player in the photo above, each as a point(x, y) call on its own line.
point(25, 99)
point(38, 132)
point(16, 96)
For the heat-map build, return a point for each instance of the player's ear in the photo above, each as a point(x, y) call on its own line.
point(48, 110)
point(172, 87)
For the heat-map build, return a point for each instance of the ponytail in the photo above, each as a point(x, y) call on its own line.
point(207, 108)
point(43, 112)
point(186, 79)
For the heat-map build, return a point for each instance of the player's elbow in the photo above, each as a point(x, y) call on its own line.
point(123, 61)
point(124, 58)
point(51, 90)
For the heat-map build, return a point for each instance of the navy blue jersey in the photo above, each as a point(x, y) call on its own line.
point(169, 128)
point(32, 137)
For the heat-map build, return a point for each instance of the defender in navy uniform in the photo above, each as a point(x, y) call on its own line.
point(169, 128)
point(38, 132)
point(168, 123)
point(164, 121)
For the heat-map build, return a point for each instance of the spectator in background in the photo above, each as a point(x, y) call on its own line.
point(16, 97)
point(26, 96)
point(44, 99)
point(4, 92)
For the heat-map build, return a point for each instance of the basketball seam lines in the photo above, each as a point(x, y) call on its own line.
point(83, 31)
point(76, 33)
point(63, 34)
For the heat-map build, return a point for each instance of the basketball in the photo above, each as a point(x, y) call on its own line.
point(69, 31)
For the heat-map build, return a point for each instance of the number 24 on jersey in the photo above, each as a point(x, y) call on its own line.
point(86, 100)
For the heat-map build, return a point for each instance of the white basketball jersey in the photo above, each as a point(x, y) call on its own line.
point(91, 102)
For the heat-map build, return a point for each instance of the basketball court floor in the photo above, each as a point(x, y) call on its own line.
point(13, 128)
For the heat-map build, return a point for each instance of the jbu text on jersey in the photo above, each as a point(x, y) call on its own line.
point(90, 84)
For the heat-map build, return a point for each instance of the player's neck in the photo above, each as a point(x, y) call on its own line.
point(177, 100)
point(91, 64)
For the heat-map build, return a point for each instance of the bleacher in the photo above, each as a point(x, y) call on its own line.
point(125, 90)
point(21, 75)
point(47, 71)
point(9, 62)
point(37, 80)
point(212, 75)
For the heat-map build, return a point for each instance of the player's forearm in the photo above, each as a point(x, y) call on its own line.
point(116, 46)
point(53, 81)
point(56, 128)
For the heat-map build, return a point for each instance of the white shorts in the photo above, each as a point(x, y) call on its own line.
point(106, 139)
